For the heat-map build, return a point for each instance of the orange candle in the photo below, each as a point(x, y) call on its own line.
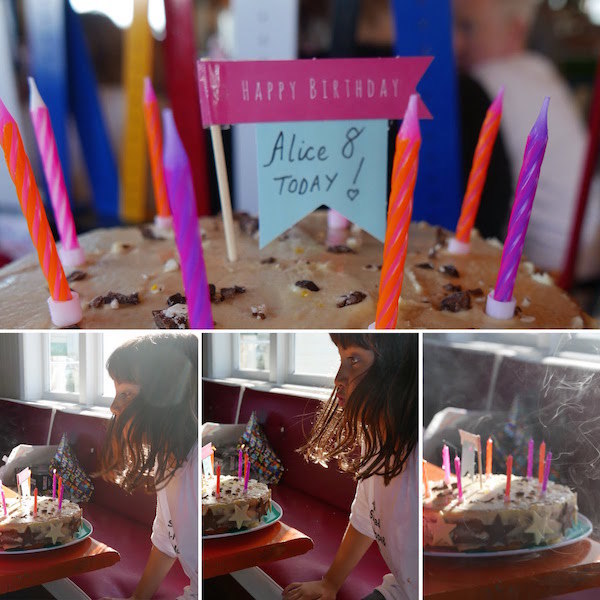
point(489, 448)
point(404, 177)
point(425, 480)
point(218, 481)
point(35, 502)
point(245, 466)
point(542, 462)
point(509, 463)
point(477, 177)
point(155, 146)
point(60, 484)
point(21, 173)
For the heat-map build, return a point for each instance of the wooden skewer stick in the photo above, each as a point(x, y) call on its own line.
point(224, 194)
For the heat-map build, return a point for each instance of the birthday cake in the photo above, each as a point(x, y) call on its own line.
point(309, 277)
point(21, 529)
point(235, 507)
point(483, 521)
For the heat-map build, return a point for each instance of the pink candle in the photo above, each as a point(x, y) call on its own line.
point(446, 464)
point(546, 472)
point(246, 474)
point(530, 459)
point(458, 478)
point(60, 496)
point(404, 177)
point(185, 223)
point(71, 253)
point(3, 500)
point(521, 211)
point(509, 464)
point(240, 464)
point(53, 483)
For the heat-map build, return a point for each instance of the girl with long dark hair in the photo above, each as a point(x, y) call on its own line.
point(152, 441)
point(369, 425)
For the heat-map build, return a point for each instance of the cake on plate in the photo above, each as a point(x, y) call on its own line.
point(235, 508)
point(483, 521)
point(309, 277)
point(20, 529)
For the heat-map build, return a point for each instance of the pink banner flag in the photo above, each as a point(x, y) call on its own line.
point(308, 90)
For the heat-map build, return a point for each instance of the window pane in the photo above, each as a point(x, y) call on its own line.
point(64, 362)
point(254, 351)
point(315, 354)
point(110, 342)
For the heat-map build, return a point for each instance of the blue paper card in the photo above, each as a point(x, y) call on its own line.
point(303, 165)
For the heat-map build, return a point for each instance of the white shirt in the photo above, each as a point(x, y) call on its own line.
point(528, 78)
point(390, 515)
point(175, 527)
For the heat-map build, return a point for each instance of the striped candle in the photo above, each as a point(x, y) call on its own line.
point(542, 459)
point(547, 472)
point(72, 254)
point(446, 464)
point(404, 177)
point(489, 450)
point(21, 173)
point(3, 499)
point(53, 483)
point(185, 223)
point(530, 459)
point(479, 168)
point(521, 211)
point(509, 465)
point(155, 147)
point(425, 480)
point(246, 473)
point(61, 489)
point(458, 478)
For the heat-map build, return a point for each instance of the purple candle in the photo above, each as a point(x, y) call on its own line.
point(458, 479)
point(546, 472)
point(446, 464)
point(185, 224)
point(530, 459)
point(521, 211)
point(53, 484)
point(3, 500)
point(240, 464)
point(60, 497)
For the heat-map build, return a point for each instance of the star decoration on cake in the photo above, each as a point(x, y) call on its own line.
point(541, 525)
point(240, 514)
point(498, 531)
point(441, 533)
point(55, 531)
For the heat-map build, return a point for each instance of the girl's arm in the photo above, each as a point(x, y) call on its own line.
point(353, 547)
point(156, 569)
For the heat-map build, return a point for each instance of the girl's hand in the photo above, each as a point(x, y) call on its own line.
point(310, 590)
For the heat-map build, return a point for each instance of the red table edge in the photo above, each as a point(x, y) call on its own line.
point(256, 556)
point(76, 565)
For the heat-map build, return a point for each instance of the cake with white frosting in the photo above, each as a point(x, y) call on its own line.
point(483, 521)
point(309, 277)
point(235, 508)
point(21, 529)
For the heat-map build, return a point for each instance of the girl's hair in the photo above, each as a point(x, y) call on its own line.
point(379, 418)
point(153, 435)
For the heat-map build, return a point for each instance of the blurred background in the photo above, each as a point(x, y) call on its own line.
point(89, 58)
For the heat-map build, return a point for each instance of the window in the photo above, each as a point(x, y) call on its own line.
point(304, 358)
point(69, 366)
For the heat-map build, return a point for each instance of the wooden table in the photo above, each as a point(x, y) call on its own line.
point(549, 572)
point(18, 571)
point(228, 554)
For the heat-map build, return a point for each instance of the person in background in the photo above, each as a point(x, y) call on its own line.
point(490, 42)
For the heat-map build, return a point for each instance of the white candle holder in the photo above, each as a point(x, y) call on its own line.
point(65, 313)
point(457, 247)
point(500, 310)
point(163, 222)
point(71, 257)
